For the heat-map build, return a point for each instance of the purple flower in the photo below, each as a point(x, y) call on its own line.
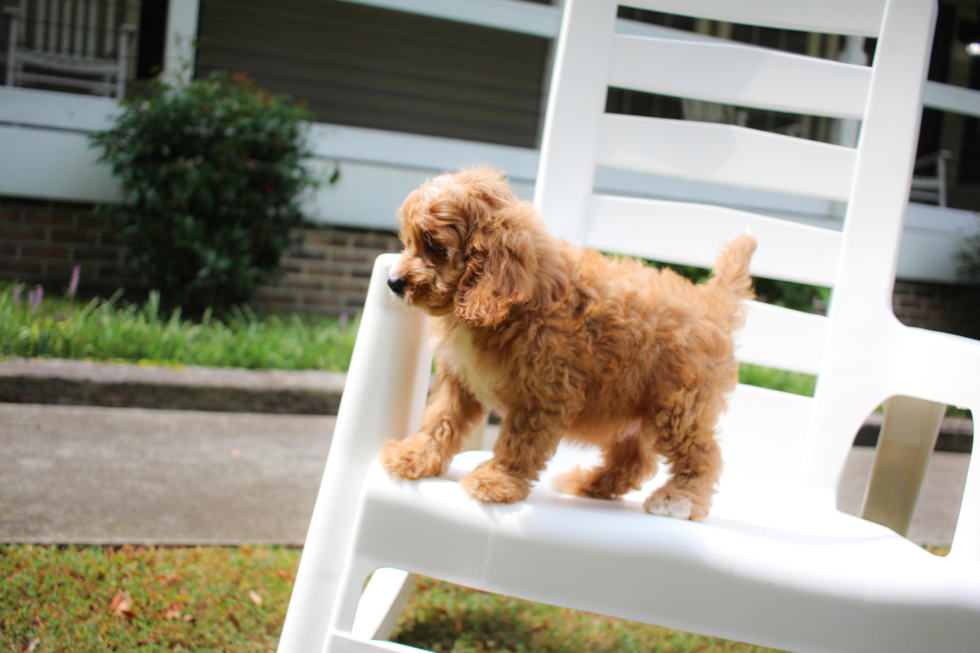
point(35, 297)
point(73, 284)
point(17, 289)
point(343, 321)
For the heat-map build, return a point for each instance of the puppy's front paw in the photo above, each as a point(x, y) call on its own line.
point(671, 502)
point(491, 485)
point(413, 458)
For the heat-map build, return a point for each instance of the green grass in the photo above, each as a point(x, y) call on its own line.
point(183, 599)
point(767, 377)
point(104, 331)
point(445, 617)
point(60, 598)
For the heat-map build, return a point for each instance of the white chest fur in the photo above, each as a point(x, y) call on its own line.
point(453, 346)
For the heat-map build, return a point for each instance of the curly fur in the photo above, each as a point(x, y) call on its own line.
point(564, 343)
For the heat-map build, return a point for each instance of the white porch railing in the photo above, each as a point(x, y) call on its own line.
point(44, 153)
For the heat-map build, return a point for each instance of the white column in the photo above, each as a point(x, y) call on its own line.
point(180, 49)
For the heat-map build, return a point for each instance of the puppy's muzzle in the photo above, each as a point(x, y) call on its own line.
point(397, 285)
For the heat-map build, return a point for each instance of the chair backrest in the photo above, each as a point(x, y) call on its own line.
point(78, 28)
point(854, 350)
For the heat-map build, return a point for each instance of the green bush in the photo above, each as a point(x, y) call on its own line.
point(969, 272)
point(969, 260)
point(787, 294)
point(212, 175)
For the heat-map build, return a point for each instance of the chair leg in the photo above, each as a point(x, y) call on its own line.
point(382, 602)
point(905, 444)
point(12, 46)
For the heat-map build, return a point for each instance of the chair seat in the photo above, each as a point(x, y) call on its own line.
point(69, 62)
point(820, 580)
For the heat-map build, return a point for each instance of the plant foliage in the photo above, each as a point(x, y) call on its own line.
point(969, 260)
point(212, 175)
point(968, 268)
point(105, 330)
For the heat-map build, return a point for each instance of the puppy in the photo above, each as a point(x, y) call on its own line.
point(567, 343)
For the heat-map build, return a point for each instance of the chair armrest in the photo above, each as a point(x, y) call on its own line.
point(383, 399)
point(933, 158)
point(940, 367)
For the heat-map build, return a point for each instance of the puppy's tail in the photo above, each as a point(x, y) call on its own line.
point(730, 279)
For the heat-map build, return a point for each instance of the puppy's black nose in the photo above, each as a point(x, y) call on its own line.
point(397, 285)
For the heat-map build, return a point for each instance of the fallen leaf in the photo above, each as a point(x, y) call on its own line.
point(188, 617)
point(234, 620)
point(122, 604)
point(285, 574)
point(32, 645)
point(235, 453)
point(172, 613)
point(256, 599)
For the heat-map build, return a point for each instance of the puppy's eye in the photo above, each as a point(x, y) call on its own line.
point(433, 248)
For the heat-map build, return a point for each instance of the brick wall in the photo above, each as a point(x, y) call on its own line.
point(325, 270)
point(937, 307)
point(41, 241)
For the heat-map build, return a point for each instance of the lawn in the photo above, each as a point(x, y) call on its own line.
point(82, 598)
point(94, 598)
point(106, 330)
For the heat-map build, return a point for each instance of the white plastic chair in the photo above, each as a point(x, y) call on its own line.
point(74, 43)
point(775, 563)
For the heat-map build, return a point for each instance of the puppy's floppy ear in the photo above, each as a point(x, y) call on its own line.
point(500, 265)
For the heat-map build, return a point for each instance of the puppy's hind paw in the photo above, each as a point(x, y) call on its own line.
point(589, 484)
point(571, 482)
point(665, 503)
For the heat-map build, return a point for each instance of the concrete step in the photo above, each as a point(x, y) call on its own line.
point(115, 385)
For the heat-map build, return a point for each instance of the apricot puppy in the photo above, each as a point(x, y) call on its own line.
point(563, 343)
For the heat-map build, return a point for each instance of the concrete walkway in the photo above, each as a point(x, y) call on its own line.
point(117, 475)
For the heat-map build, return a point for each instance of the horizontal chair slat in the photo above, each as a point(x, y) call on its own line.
point(857, 17)
point(727, 154)
point(740, 75)
point(782, 338)
point(640, 227)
